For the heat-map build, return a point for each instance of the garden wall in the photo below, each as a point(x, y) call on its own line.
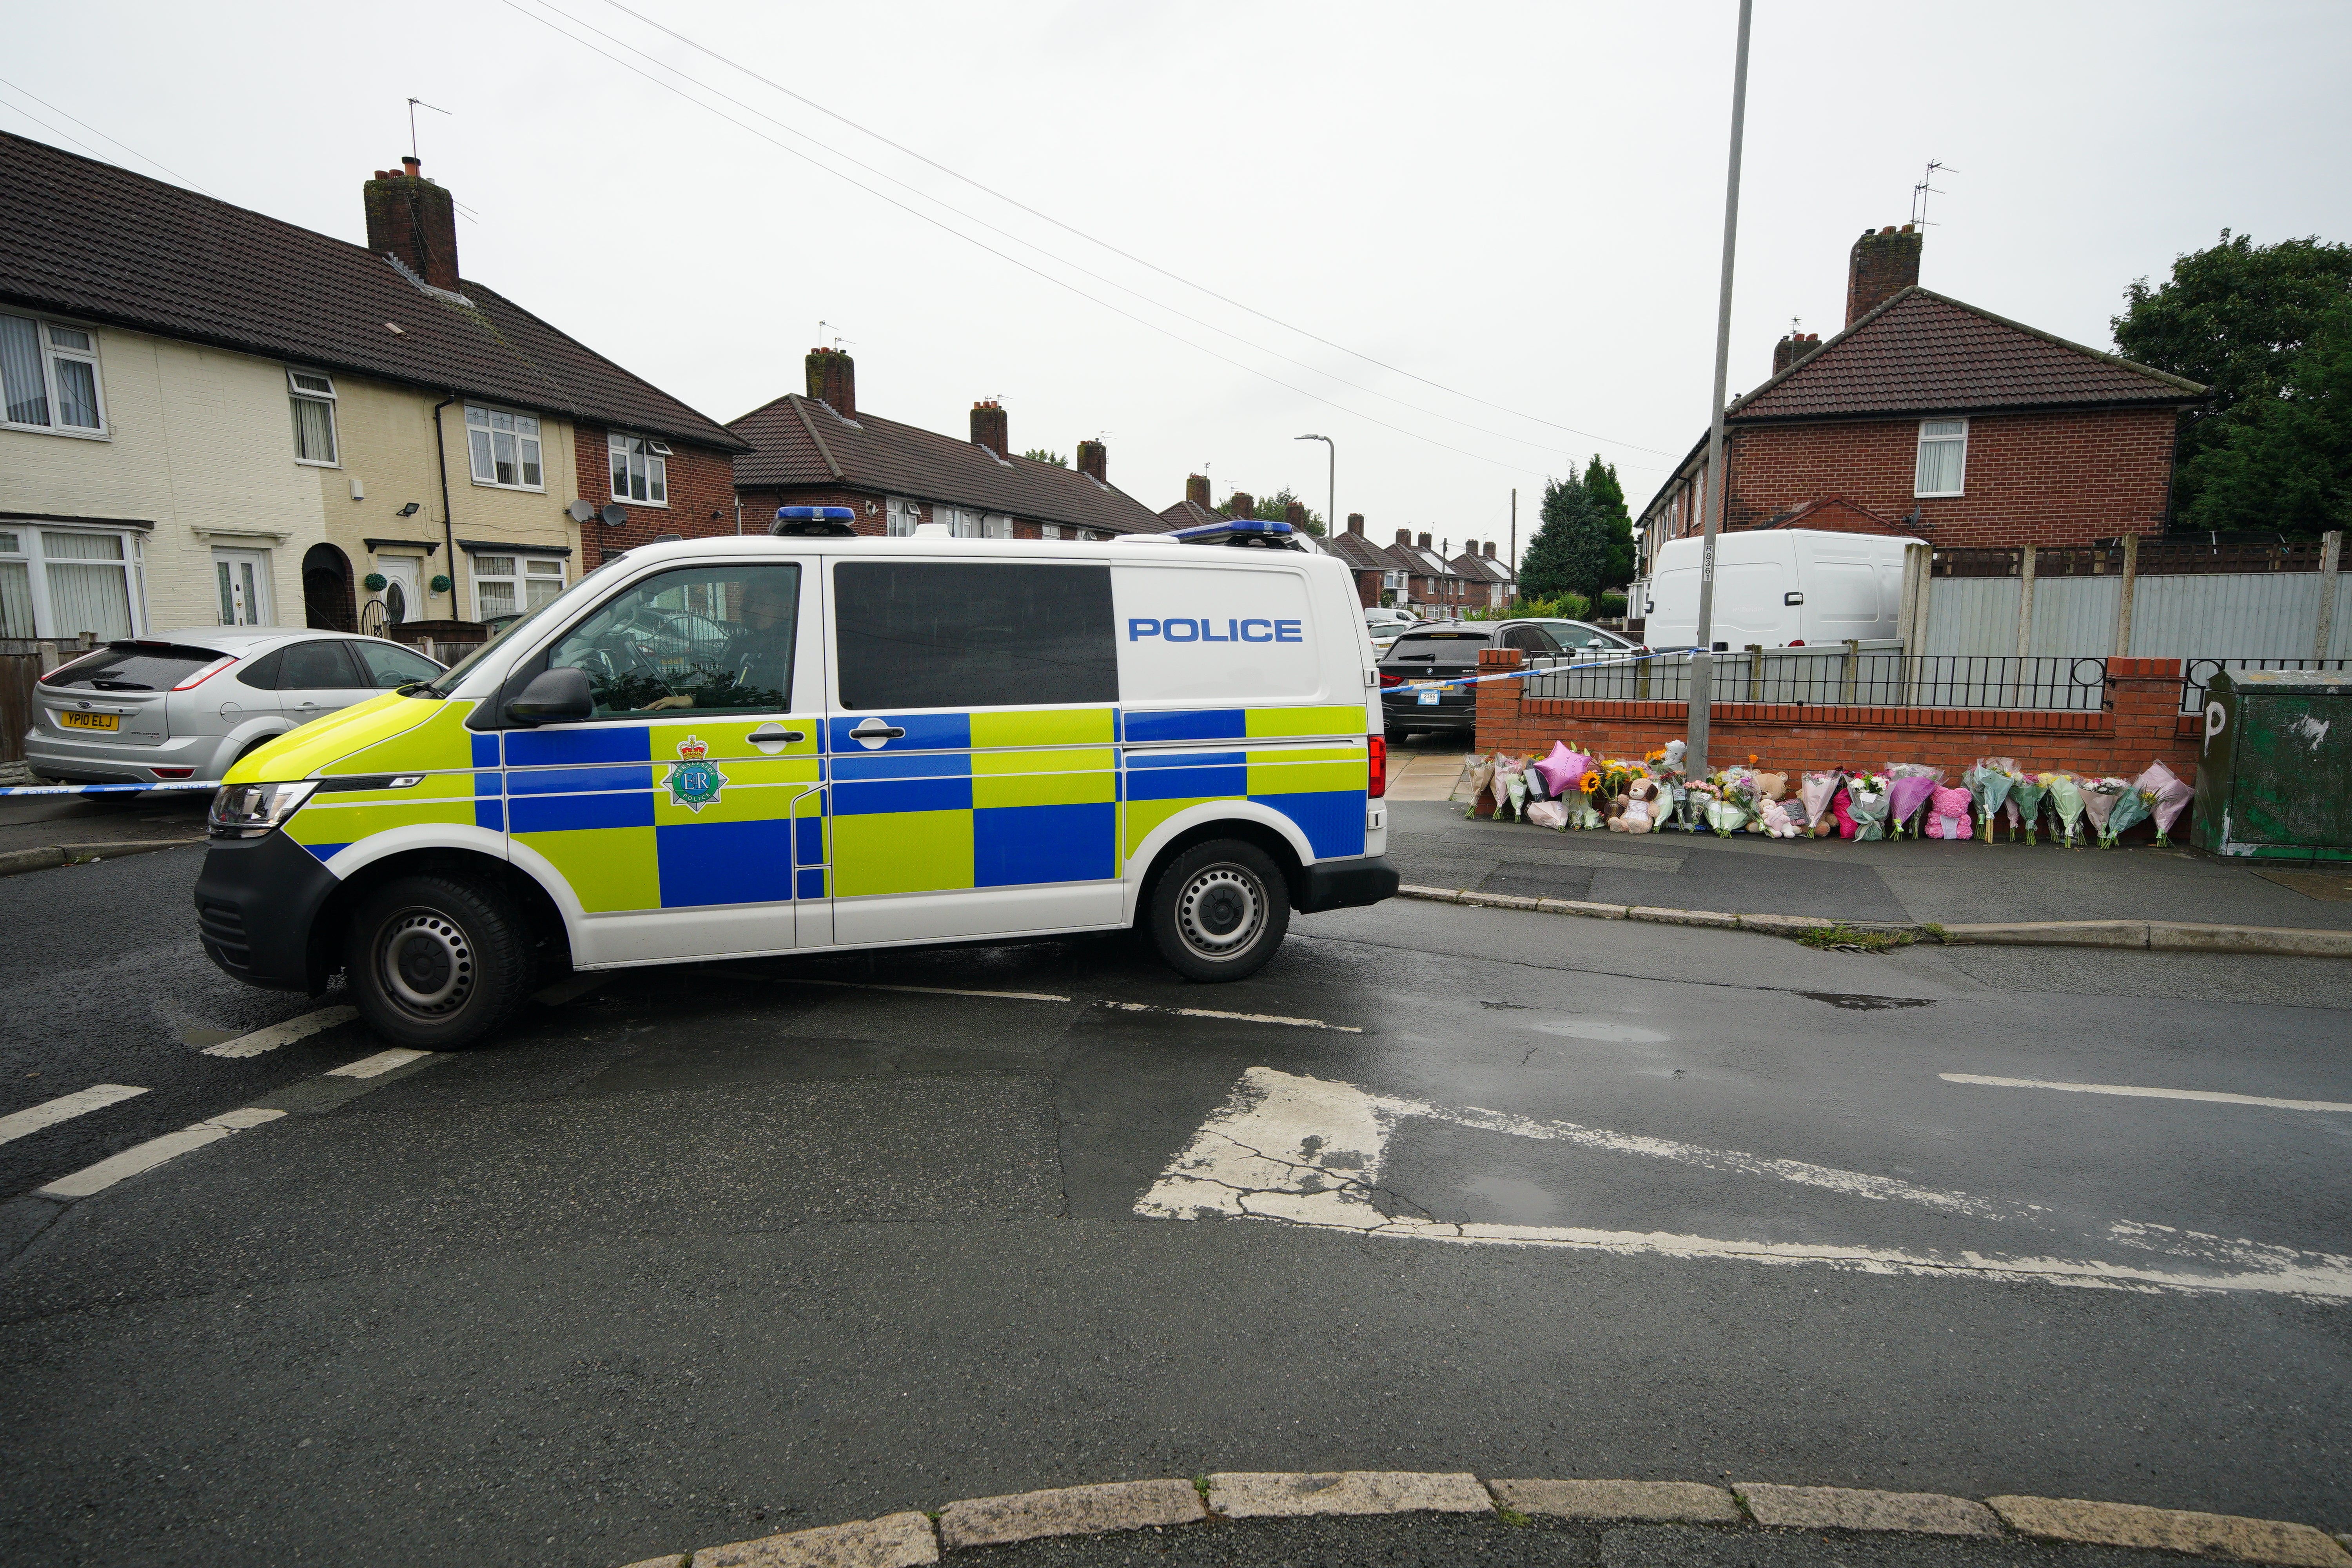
point(2141, 723)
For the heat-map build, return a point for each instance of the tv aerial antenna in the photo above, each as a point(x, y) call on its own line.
point(1926, 188)
point(414, 105)
point(824, 327)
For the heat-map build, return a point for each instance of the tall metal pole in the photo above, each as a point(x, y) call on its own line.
point(1702, 675)
point(1330, 517)
point(1513, 562)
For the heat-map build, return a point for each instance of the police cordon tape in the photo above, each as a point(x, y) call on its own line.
point(175, 786)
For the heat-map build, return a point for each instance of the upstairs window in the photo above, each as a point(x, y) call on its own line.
point(313, 398)
point(640, 469)
point(1943, 457)
point(49, 377)
point(903, 516)
point(504, 448)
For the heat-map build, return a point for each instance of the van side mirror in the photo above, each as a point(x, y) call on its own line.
point(555, 697)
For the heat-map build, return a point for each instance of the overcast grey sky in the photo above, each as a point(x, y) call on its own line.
point(1518, 203)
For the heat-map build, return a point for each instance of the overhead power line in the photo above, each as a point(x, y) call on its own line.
point(94, 130)
point(1115, 250)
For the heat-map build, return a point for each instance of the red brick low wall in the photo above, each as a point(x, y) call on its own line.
point(2141, 723)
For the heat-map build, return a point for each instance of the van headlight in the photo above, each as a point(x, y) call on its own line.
point(251, 810)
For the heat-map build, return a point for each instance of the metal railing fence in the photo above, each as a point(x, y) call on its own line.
point(1874, 674)
point(2197, 674)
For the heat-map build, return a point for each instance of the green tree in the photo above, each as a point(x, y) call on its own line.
point(2284, 464)
point(1039, 455)
point(1570, 553)
point(1616, 523)
point(1276, 508)
point(2235, 316)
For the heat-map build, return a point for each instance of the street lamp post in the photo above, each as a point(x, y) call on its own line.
point(1702, 675)
point(1331, 499)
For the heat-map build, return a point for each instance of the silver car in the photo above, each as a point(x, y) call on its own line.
point(187, 704)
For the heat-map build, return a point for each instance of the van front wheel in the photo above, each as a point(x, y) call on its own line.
point(1219, 911)
point(435, 963)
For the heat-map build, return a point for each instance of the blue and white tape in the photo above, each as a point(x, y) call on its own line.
point(207, 785)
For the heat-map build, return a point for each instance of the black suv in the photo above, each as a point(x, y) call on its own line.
point(1418, 675)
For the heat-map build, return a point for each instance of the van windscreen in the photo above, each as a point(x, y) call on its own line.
point(976, 634)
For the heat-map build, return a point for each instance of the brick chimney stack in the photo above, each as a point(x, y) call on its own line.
point(1241, 503)
point(833, 381)
point(1882, 265)
point(1356, 523)
point(1792, 348)
point(1404, 539)
point(1490, 550)
point(1196, 490)
point(1423, 541)
point(1093, 459)
point(988, 425)
point(410, 216)
point(1295, 514)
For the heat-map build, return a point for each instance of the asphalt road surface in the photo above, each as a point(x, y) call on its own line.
point(703, 1252)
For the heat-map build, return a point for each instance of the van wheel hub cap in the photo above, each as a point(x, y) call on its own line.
point(426, 963)
point(1221, 911)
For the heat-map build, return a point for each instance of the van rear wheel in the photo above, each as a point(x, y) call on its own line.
point(1218, 911)
point(435, 963)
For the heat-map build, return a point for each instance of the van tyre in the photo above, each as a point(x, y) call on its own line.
point(1218, 911)
point(436, 963)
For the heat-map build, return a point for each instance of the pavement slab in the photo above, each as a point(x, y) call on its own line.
point(1851, 1507)
point(2171, 1530)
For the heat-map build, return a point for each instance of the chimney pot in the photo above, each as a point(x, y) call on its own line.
point(1196, 490)
point(1093, 459)
point(1423, 542)
point(1880, 266)
point(1356, 522)
point(415, 220)
point(413, 166)
point(988, 426)
point(833, 381)
point(1490, 550)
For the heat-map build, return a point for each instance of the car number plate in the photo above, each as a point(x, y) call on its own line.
point(1429, 698)
point(90, 721)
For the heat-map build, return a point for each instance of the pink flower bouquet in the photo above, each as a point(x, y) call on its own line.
point(1813, 793)
point(2099, 797)
point(1909, 786)
point(2172, 798)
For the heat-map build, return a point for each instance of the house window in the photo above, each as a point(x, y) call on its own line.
point(49, 377)
point(504, 584)
point(313, 397)
point(55, 583)
point(1943, 457)
point(973, 524)
point(903, 515)
point(640, 469)
point(504, 448)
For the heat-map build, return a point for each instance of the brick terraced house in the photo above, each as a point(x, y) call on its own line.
point(1936, 418)
point(214, 416)
point(819, 449)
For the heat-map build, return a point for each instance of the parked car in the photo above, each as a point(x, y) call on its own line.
point(1420, 685)
point(1586, 641)
point(1386, 625)
point(187, 704)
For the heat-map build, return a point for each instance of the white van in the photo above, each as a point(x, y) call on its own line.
point(1780, 587)
point(727, 747)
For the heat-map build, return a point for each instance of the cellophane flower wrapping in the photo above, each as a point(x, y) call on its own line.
point(2099, 797)
point(1726, 817)
point(1482, 779)
point(1867, 800)
point(1841, 811)
point(2025, 801)
point(1813, 792)
point(1515, 786)
point(1548, 813)
point(2065, 795)
point(2172, 797)
point(1988, 783)
point(1909, 786)
point(2134, 807)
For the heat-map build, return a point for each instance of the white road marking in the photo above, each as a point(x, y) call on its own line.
point(1307, 1152)
point(64, 1107)
point(376, 1065)
point(284, 1033)
point(155, 1151)
point(1235, 1017)
point(2214, 1095)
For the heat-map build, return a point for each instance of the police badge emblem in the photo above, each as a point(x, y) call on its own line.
point(693, 782)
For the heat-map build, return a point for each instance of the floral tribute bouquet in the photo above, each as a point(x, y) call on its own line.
point(1867, 800)
point(1987, 782)
point(1909, 786)
point(2025, 793)
point(1511, 787)
point(1548, 813)
point(1814, 792)
point(2099, 797)
point(2064, 792)
point(2172, 798)
point(1726, 799)
point(2134, 807)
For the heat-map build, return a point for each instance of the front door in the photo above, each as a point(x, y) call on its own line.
point(242, 578)
point(975, 777)
point(680, 813)
point(403, 583)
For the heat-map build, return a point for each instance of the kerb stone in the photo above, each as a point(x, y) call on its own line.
point(1281, 1495)
point(1847, 1508)
point(896, 1540)
point(2171, 1530)
point(1658, 1502)
point(1069, 1510)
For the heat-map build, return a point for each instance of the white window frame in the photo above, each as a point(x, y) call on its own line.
point(45, 329)
point(490, 430)
point(525, 561)
point(26, 536)
point(904, 513)
point(656, 456)
point(1946, 437)
point(260, 605)
point(322, 393)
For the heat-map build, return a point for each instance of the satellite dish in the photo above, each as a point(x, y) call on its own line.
point(579, 511)
point(615, 515)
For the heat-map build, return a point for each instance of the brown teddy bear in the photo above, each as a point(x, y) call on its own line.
point(1639, 809)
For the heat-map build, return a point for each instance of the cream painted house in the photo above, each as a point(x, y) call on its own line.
point(224, 419)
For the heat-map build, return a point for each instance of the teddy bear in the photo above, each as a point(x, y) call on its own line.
point(1947, 815)
point(1777, 822)
point(1641, 809)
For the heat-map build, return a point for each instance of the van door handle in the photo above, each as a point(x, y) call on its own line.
point(771, 737)
point(874, 729)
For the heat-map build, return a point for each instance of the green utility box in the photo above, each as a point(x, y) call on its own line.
point(2274, 774)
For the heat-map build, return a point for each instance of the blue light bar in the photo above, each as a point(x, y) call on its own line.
point(815, 514)
point(1238, 527)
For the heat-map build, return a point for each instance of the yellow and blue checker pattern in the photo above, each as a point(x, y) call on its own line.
point(389, 737)
point(1321, 788)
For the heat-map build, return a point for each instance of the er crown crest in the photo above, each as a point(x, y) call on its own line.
point(692, 749)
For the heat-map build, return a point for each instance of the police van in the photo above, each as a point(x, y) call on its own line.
point(812, 743)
